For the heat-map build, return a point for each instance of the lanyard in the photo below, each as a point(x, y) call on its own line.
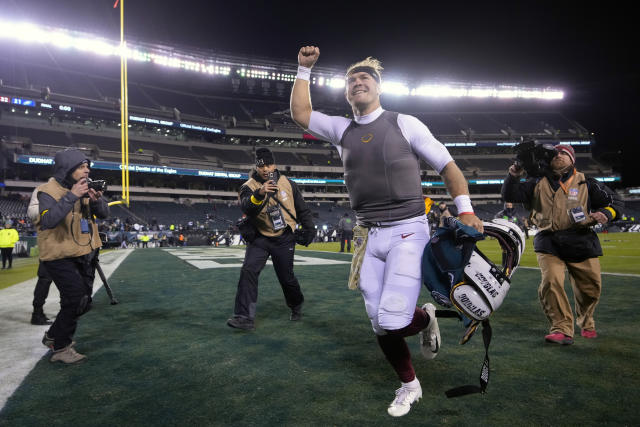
point(565, 187)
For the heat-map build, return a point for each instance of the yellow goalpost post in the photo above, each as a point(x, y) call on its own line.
point(124, 111)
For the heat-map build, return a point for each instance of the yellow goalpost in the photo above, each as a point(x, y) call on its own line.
point(124, 111)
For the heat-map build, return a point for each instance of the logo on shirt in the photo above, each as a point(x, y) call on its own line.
point(366, 138)
point(405, 235)
point(283, 194)
point(573, 194)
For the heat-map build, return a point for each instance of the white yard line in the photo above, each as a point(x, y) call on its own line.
point(19, 339)
point(609, 274)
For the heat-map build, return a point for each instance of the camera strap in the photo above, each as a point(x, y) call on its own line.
point(285, 209)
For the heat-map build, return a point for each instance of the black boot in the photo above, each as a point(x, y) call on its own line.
point(38, 318)
point(296, 313)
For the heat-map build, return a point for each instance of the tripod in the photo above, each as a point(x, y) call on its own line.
point(114, 301)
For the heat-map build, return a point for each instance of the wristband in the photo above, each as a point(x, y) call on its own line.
point(304, 73)
point(463, 204)
point(611, 211)
point(256, 201)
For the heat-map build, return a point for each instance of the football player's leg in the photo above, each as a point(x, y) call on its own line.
point(371, 276)
point(402, 281)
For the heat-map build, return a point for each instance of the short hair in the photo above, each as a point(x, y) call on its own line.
point(370, 62)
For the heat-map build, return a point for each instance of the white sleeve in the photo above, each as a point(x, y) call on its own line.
point(329, 128)
point(423, 143)
point(33, 211)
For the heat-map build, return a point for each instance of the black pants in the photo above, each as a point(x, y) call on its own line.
point(74, 279)
point(7, 255)
point(346, 236)
point(41, 290)
point(281, 249)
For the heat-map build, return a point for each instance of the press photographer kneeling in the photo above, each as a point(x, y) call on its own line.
point(564, 205)
point(67, 239)
point(273, 205)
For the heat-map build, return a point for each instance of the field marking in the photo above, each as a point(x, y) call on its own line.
point(19, 339)
point(205, 258)
point(610, 274)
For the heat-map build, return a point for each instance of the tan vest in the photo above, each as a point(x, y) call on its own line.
point(66, 240)
point(285, 195)
point(549, 210)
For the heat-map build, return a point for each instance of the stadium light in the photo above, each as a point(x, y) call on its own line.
point(336, 82)
point(200, 63)
point(394, 88)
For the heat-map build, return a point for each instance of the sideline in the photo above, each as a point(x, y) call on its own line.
point(609, 274)
point(528, 268)
point(19, 339)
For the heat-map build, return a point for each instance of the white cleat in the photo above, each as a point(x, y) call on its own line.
point(430, 336)
point(405, 397)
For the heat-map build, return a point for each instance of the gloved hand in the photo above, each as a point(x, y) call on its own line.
point(304, 236)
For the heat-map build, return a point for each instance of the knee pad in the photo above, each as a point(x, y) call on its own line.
point(393, 312)
point(84, 305)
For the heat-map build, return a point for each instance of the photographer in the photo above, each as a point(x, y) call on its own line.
point(271, 201)
point(564, 205)
point(68, 239)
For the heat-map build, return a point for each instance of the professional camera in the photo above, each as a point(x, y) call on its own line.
point(97, 184)
point(534, 157)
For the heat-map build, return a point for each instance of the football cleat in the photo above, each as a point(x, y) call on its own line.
point(405, 397)
point(430, 336)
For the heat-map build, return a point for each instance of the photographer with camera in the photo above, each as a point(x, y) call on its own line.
point(68, 239)
point(564, 205)
point(273, 204)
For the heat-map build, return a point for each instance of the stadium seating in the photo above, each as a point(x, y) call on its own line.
point(518, 122)
point(185, 103)
point(224, 107)
point(251, 114)
point(480, 124)
point(441, 124)
point(13, 208)
point(38, 136)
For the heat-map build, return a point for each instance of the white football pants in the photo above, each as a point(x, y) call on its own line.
point(391, 273)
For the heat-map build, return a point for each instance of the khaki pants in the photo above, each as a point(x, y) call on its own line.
point(586, 283)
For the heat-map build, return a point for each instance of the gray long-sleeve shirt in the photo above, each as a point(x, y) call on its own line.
point(58, 210)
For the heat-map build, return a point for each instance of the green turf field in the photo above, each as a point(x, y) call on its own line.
point(621, 252)
point(164, 356)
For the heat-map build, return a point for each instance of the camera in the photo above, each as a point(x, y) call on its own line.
point(97, 184)
point(534, 157)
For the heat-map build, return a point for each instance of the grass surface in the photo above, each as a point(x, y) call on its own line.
point(621, 252)
point(621, 255)
point(23, 269)
point(164, 356)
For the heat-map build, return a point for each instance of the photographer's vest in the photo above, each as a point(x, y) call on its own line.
point(66, 240)
point(381, 171)
point(285, 195)
point(550, 209)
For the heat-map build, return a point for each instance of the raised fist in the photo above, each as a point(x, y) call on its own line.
point(308, 56)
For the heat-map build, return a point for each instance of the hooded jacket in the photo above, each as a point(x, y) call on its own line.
point(62, 212)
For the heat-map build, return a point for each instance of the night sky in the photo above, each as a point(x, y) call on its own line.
point(587, 51)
